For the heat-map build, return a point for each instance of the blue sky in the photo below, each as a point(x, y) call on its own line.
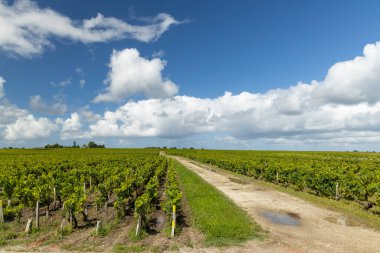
point(213, 74)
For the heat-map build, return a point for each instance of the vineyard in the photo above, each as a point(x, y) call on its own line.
point(75, 189)
point(339, 175)
point(129, 200)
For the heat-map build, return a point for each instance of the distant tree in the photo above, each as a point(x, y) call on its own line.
point(92, 144)
point(56, 145)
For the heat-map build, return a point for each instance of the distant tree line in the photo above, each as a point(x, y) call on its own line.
point(91, 144)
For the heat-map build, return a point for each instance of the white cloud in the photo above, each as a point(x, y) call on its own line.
point(79, 70)
point(230, 140)
point(28, 29)
point(2, 81)
point(344, 107)
point(82, 83)
point(88, 115)
point(132, 74)
point(18, 124)
point(63, 83)
point(28, 128)
point(158, 54)
point(354, 81)
point(72, 128)
point(9, 113)
point(36, 103)
point(341, 110)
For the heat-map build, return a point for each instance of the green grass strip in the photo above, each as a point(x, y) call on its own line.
point(216, 216)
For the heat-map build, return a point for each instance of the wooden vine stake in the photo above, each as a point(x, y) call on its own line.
point(54, 197)
point(28, 227)
point(1, 212)
point(98, 226)
point(173, 221)
point(63, 223)
point(337, 191)
point(105, 211)
point(276, 176)
point(138, 225)
point(37, 214)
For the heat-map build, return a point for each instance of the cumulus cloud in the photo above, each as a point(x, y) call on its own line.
point(9, 113)
point(18, 124)
point(28, 29)
point(355, 81)
point(88, 115)
point(343, 106)
point(28, 128)
point(72, 128)
point(132, 74)
point(342, 109)
point(36, 103)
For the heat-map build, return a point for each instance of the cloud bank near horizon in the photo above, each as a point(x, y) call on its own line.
point(344, 108)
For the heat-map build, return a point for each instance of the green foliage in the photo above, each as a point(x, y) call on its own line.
point(65, 231)
point(56, 145)
point(13, 212)
point(120, 248)
point(92, 144)
point(28, 176)
point(145, 203)
point(357, 174)
point(172, 191)
point(209, 208)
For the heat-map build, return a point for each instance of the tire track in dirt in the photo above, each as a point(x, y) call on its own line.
point(295, 225)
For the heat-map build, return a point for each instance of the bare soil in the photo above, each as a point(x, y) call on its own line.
point(316, 230)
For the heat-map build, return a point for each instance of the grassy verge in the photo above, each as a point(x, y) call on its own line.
point(355, 213)
point(217, 217)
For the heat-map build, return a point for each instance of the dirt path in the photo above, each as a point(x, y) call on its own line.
point(294, 224)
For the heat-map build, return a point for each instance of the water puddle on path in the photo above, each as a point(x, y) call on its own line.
point(290, 219)
point(341, 220)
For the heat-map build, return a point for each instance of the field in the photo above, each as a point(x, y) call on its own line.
point(98, 200)
point(340, 175)
point(122, 200)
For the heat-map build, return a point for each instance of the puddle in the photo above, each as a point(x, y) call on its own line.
point(291, 219)
point(341, 221)
point(236, 180)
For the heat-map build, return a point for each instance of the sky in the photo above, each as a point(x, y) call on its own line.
point(281, 75)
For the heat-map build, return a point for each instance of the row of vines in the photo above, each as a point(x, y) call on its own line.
point(352, 176)
point(128, 181)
